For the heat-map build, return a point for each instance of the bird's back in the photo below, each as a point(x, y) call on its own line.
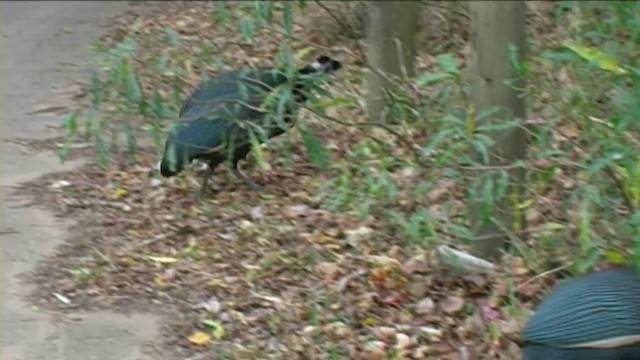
point(210, 116)
point(596, 310)
point(232, 92)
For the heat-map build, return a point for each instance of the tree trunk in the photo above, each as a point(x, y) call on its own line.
point(391, 49)
point(495, 25)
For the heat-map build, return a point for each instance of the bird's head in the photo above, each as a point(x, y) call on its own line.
point(326, 64)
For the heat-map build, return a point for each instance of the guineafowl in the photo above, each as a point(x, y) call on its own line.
point(215, 119)
point(593, 317)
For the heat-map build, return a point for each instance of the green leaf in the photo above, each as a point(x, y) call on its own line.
point(615, 256)
point(131, 141)
point(100, 146)
point(264, 10)
point(70, 123)
point(518, 64)
point(553, 226)
point(288, 18)
point(317, 152)
point(95, 90)
point(590, 259)
point(503, 124)
point(485, 113)
point(217, 330)
point(597, 57)
point(460, 231)
point(172, 37)
point(605, 161)
point(256, 148)
point(302, 53)
point(487, 199)
point(247, 29)
point(560, 54)
point(157, 104)
point(584, 228)
point(132, 87)
point(220, 14)
point(448, 63)
point(429, 78)
point(481, 148)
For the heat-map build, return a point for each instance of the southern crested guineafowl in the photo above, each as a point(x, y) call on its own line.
point(593, 317)
point(215, 119)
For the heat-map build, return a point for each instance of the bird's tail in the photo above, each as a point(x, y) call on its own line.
point(166, 169)
point(171, 164)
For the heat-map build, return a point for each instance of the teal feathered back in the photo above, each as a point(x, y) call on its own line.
point(211, 115)
point(601, 309)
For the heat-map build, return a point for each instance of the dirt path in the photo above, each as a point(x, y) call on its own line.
point(44, 46)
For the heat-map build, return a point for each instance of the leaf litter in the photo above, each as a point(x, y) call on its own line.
point(271, 274)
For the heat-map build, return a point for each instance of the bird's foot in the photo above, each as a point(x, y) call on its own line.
point(247, 180)
point(254, 186)
point(200, 195)
point(270, 176)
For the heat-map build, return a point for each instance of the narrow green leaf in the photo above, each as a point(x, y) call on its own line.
point(317, 152)
point(172, 37)
point(131, 141)
point(95, 88)
point(133, 89)
point(447, 63)
point(264, 10)
point(217, 330)
point(429, 78)
point(334, 102)
point(615, 256)
point(590, 259)
point(487, 199)
point(247, 29)
point(256, 148)
point(288, 18)
point(70, 123)
point(220, 15)
point(597, 57)
point(560, 55)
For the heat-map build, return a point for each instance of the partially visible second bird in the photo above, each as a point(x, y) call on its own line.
point(593, 317)
point(215, 120)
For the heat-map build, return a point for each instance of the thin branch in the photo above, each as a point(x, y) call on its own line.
point(403, 139)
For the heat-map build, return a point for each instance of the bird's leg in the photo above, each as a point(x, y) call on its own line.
point(240, 175)
point(203, 187)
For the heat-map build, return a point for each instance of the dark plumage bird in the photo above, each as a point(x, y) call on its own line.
point(215, 119)
point(593, 317)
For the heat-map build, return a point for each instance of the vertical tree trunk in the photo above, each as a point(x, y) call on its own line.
point(391, 49)
point(495, 25)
